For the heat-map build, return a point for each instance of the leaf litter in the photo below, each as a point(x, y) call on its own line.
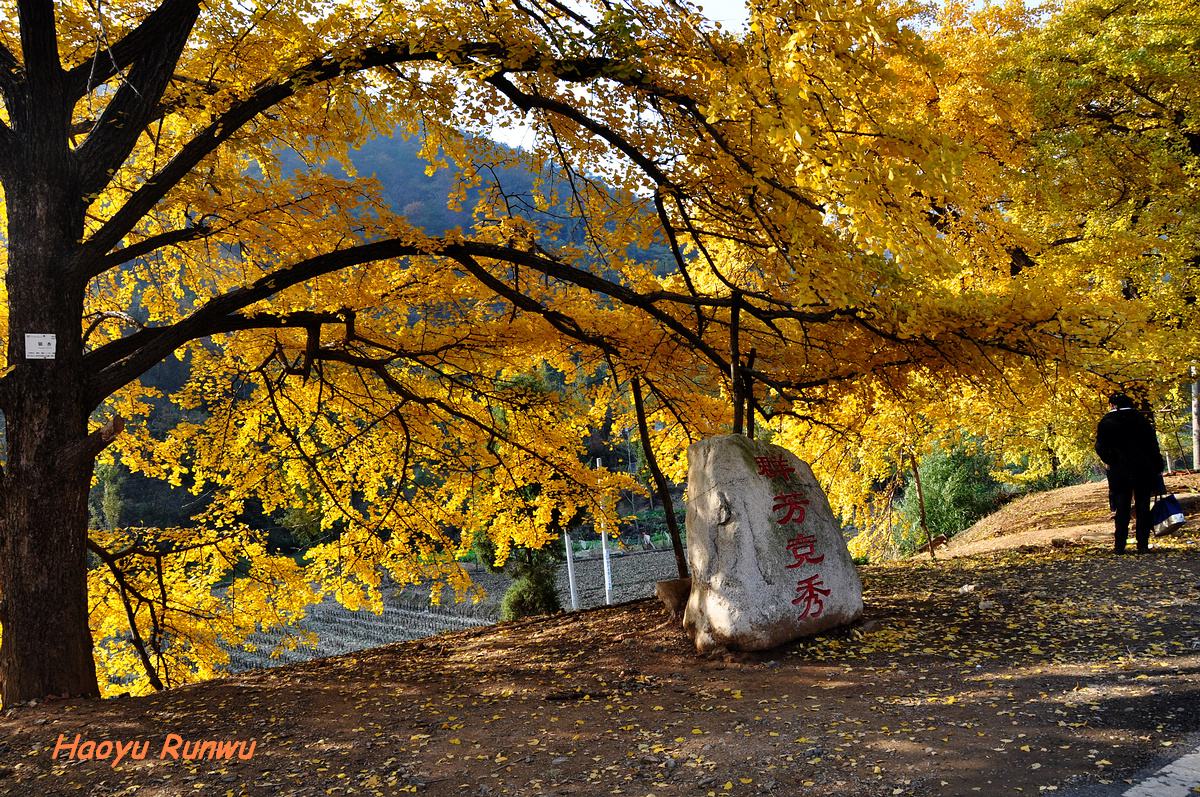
point(1060, 667)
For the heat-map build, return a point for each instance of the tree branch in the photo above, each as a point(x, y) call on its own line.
point(9, 150)
point(267, 95)
point(107, 62)
point(593, 282)
point(220, 130)
point(136, 101)
point(99, 318)
point(525, 101)
point(126, 588)
point(12, 75)
point(89, 448)
point(380, 369)
point(146, 246)
point(117, 363)
point(660, 481)
point(39, 47)
point(563, 323)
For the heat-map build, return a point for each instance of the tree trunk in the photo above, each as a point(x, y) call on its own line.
point(916, 470)
point(735, 370)
point(45, 641)
point(46, 644)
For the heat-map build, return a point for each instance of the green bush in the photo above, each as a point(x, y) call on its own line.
point(533, 592)
point(1063, 477)
point(959, 489)
point(654, 521)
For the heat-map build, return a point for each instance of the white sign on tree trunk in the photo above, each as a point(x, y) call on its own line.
point(39, 346)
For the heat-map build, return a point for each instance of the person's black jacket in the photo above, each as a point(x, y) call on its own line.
point(1127, 444)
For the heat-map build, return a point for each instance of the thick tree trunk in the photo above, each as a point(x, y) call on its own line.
point(46, 647)
point(45, 641)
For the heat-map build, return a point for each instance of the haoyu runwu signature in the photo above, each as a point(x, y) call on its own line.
point(173, 746)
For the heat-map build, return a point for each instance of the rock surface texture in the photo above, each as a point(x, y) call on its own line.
point(768, 560)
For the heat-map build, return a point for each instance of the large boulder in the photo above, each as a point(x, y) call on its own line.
point(769, 563)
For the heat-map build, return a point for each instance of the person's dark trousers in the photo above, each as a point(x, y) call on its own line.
point(1121, 493)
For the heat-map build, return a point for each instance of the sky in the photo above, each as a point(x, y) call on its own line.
point(730, 13)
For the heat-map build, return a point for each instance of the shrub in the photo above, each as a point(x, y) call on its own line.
point(484, 552)
point(1062, 477)
point(533, 592)
point(959, 489)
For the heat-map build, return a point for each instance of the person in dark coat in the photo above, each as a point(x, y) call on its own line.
point(1128, 446)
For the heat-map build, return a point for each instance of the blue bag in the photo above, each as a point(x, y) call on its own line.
point(1166, 515)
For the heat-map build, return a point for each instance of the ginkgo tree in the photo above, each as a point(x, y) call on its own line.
point(1115, 159)
point(1083, 129)
point(823, 237)
point(1092, 113)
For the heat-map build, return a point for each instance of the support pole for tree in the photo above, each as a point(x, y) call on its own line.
point(571, 571)
point(735, 376)
point(921, 504)
point(660, 481)
point(604, 555)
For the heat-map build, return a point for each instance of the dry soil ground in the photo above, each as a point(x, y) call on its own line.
point(1042, 668)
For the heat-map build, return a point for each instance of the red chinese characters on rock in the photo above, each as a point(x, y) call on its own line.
point(803, 548)
point(793, 506)
point(791, 510)
point(774, 467)
point(809, 596)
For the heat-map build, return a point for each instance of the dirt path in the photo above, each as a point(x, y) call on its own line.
point(1067, 516)
point(1012, 673)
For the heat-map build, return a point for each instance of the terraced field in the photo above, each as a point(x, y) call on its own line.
point(408, 613)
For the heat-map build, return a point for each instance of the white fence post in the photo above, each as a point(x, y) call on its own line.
point(571, 570)
point(607, 568)
point(1195, 419)
point(604, 553)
